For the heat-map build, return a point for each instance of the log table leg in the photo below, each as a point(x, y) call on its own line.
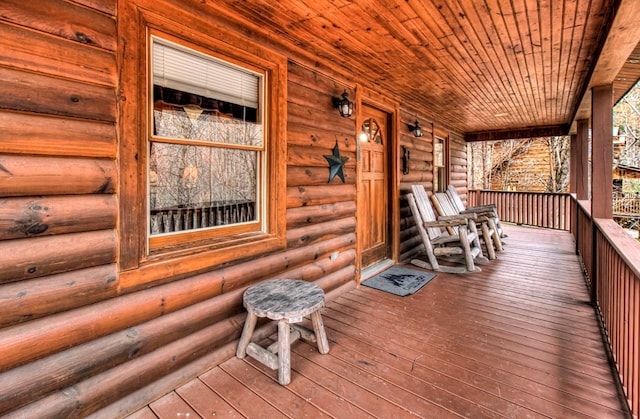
point(247, 331)
point(284, 352)
point(321, 335)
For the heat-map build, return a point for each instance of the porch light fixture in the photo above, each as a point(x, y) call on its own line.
point(344, 105)
point(416, 129)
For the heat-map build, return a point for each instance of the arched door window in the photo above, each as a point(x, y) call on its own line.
point(371, 132)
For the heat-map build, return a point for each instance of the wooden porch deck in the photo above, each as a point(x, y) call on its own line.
point(517, 340)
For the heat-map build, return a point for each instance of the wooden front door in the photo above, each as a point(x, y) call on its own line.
point(373, 205)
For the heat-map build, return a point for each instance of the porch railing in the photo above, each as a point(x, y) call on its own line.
point(626, 206)
point(611, 260)
point(549, 210)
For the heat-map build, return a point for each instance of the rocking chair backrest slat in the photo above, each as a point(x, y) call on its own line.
point(444, 206)
point(426, 209)
point(455, 198)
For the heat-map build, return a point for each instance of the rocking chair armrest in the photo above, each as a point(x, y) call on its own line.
point(465, 217)
point(483, 218)
point(482, 213)
point(480, 208)
point(451, 220)
point(445, 223)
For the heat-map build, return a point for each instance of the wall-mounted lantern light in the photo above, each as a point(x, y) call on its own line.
point(416, 129)
point(344, 105)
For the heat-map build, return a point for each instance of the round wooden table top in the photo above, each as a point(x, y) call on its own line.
point(283, 299)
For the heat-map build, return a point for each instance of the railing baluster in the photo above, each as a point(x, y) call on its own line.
point(549, 210)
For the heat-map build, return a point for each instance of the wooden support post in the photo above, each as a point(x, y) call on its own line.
point(602, 151)
point(581, 156)
point(573, 162)
point(582, 160)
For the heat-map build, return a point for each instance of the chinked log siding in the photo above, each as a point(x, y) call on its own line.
point(44, 94)
point(79, 333)
point(28, 175)
point(65, 20)
point(58, 205)
point(315, 195)
point(53, 136)
point(43, 216)
point(39, 256)
point(35, 298)
point(319, 232)
point(55, 56)
point(313, 214)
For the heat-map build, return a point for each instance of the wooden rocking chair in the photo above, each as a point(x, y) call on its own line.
point(438, 243)
point(445, 206)
point(489, 210)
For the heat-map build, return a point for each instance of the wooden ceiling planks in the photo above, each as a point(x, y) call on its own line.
point(628, 75)
point(480, 65)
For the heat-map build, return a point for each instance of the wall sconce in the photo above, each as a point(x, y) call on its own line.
point(344, 105)
point(416, 129)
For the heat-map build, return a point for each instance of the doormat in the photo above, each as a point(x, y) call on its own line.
point(399, 280)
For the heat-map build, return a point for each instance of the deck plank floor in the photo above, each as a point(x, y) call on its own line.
point(517, 340)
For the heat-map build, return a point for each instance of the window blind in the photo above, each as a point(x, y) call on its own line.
point(187, 70)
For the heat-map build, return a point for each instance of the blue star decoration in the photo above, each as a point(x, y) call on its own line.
point(336, 163)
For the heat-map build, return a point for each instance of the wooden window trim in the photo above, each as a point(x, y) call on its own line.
point(445, 162)
point(137, 267)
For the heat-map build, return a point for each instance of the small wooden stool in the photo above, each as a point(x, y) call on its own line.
point(287, 301)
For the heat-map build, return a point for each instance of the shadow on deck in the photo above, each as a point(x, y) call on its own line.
point(517, 340)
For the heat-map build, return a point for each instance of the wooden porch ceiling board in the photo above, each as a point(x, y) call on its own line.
point(481, 66)
point(518, 339)
point(628, 76)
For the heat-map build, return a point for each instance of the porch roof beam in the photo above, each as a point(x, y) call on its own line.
point(513, 134)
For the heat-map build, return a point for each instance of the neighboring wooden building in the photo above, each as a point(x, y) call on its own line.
point(103, 291)
point(526, 165)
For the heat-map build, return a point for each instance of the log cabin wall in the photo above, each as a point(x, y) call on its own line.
point(58, 203)
point(420, 170)
point(75, 340)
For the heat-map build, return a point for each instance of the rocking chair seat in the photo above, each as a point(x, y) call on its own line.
point(490, 210)
point(445, 207)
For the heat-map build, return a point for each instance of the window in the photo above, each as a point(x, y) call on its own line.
point(439, 164)
point(202, 147)
point(206, 146)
